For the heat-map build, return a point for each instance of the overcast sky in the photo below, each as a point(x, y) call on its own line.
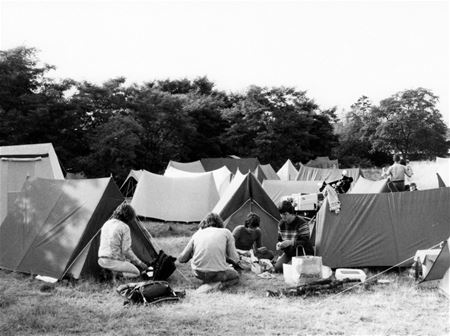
point(335, 50)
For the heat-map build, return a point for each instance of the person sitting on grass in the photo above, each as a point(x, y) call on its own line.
point(247, 238)
point(293, 235)
point(209, 248)
point(115, 251)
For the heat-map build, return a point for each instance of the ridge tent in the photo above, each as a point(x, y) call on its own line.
point(440, 270)
point(222, 176)
point(244, 165)
point(129, 185)
point(245, 194)
point(326, 174)
point(424, 173)
point(278, 189)
point(181, 199)
point(259, 174)
point(269, 172)
point(59, 234)
point(287, 172)
point(193, 167)
point(323, 162)
point(381, 229)
point(22, 161)
point(366, 186)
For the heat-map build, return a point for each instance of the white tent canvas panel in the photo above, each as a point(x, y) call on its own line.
point(287, 172)
point(17, 163)
point(222, 176)
point(183, 199)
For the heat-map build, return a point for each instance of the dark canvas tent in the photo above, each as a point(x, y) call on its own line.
point(129, 185)
point(53, 228)
point(326, 174)
point(382, 229)
point(269, 172)
point(323, 162)
point(441, 183)
point(244, 165)
point(245, 194)
point(440, 270)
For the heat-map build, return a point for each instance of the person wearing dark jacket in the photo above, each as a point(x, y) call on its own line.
point(293, 236)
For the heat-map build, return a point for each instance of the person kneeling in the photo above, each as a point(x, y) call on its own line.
point(293, 236)
point(115, 253)
point(209, 248)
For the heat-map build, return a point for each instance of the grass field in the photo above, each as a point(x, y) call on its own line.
point(31, 307)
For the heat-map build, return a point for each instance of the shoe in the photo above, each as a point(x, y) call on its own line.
point(209, 287)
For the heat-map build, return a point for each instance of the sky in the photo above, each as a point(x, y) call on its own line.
point(337, 51)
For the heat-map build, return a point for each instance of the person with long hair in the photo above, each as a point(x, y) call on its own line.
point(115, 251)
point(210, 248)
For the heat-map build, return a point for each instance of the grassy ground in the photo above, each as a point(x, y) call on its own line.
point(31, 307)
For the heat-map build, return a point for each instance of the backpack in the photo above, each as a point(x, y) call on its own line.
point(163, 266)
point(148, 292)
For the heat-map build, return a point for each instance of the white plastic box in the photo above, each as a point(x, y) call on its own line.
point(350, 273)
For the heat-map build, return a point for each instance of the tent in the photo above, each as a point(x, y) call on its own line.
point(193, 167)
point(424, 173)
point(278, 189)
point(326, 174)
point(19, 162)
point(440, 270)
point(245, 194)
point(287, 172)
point(244, 165)
point(269, 172)
point(222, 176)
point(129, 185)
point(183, 199)
point(441, 183)
point(53, 228)
point(381, 229)
point(366, 186)
point(323, 162)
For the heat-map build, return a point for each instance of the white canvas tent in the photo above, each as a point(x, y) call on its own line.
point(182, 199)
point(222, 176)
point(287, 172)
point(17, 163)
point(193, 167)
point(366, 186)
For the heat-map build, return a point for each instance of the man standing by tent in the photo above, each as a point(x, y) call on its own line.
point(293, 235)
point(209, 249)
point(115, 251)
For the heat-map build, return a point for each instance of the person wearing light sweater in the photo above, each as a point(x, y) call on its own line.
point(115, 251)
point(209, 248)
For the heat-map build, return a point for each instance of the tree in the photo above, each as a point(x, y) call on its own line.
point(114, 147)
point(410, 123)
point(277, 123)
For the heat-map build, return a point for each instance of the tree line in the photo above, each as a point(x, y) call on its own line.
point(114, 127)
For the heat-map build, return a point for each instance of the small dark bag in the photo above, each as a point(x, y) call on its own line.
point(163, 266)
